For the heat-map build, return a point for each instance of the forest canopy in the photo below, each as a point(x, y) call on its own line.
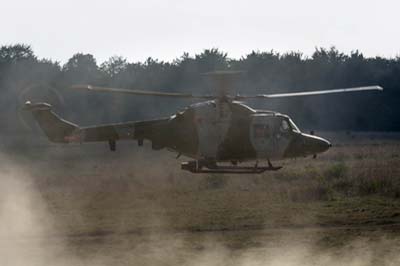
point(24, 75)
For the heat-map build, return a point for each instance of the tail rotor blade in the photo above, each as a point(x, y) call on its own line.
point(36, 93)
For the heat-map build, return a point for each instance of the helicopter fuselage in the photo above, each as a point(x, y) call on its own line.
point(232, 131)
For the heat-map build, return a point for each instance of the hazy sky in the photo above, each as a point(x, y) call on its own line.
point(167, 29)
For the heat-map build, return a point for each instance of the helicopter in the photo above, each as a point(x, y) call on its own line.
point(217, 133)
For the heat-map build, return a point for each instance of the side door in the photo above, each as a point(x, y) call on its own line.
point(212, 121)
point(262, 135)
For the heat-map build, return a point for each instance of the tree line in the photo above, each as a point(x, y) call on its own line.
point(23, 75)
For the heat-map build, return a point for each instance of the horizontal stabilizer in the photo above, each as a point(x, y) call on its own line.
point(36, 106)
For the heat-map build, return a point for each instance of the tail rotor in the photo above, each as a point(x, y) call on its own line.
point(36, 93)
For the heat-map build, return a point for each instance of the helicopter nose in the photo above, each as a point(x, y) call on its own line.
point(304, 145)
point(316, 144)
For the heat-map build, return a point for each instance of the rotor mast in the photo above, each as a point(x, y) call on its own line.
point(223, 82)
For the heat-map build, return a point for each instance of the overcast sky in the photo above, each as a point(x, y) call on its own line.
point(166, 29)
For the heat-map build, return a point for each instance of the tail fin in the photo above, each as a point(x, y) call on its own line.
point(55, 128)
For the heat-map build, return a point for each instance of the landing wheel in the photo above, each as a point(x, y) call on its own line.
point(273, 168)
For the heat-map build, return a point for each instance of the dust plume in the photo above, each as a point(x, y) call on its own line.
point(27, 232)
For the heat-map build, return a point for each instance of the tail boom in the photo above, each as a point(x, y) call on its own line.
point(61, 131)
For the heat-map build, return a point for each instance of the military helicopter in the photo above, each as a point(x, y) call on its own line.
point(218, 133)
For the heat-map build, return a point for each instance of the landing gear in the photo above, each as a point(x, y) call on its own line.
point(212, 167)
point(112, 145)
point(273, 168)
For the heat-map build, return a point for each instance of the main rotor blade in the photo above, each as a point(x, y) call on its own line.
point(308, 93)
point(142, 92)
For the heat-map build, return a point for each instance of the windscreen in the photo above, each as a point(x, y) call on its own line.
point(293, 125)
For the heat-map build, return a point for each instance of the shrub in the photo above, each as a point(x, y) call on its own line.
point(336, 171)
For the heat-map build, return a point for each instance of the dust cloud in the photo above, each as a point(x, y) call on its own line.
point(30, 235)
point(27, 231)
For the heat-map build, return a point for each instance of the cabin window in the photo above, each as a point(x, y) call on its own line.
point(261, 131)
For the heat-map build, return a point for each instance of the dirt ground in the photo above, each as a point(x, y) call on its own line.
point(87, 206)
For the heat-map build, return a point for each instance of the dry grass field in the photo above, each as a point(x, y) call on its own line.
point(87, 206)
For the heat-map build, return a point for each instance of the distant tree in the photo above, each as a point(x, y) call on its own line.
point(17, 52)
point(114, 66)
point(212, 59)
point(261, 68)
point(12, 54)
point(81, 68)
